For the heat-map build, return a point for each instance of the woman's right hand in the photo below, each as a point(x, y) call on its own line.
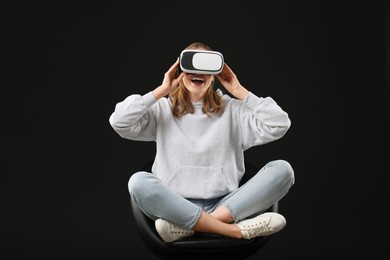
point(169, 81)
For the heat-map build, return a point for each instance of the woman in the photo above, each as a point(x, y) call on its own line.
point(201, 135)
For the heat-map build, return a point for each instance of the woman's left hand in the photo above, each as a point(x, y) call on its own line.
point(230, 81)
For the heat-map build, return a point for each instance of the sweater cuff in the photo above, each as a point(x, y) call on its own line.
point(149, 99)
point(252, 100)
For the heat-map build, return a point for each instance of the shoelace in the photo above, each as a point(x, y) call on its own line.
point(256, 229)
point(179, 230)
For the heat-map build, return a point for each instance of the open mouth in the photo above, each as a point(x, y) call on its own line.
point(197, 80)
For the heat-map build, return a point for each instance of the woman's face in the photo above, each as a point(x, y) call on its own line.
point(197, 84)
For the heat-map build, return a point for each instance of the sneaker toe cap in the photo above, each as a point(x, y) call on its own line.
point(277, 222)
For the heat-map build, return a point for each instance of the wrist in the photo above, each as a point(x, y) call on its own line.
point(240, 92)
point(158, 92)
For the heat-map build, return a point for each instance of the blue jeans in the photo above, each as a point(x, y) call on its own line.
point(156, 200)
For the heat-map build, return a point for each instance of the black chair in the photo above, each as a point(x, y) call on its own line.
point(205, 246)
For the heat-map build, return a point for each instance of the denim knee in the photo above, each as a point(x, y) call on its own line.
point(137, 182)
point(285, 171)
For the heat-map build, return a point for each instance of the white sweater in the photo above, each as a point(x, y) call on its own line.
point(200, 156)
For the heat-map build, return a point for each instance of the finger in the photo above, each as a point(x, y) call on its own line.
point(178, 79)
point(180, 76)
point(222, 74)
point(174, 66)
point(220, 78)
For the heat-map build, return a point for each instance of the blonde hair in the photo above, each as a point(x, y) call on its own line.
point(180, 99)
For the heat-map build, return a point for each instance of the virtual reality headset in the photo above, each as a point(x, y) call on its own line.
point(201, 62)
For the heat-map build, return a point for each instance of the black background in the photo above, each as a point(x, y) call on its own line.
point(65, 66)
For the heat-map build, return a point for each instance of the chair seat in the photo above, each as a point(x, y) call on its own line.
point(206, 241)
point(200, 246)
point(204, 246)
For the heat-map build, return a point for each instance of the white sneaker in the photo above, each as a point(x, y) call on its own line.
point(263, 225)
point(170, 232)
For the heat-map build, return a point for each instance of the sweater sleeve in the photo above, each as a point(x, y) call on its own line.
point(133, 118)
point(262, 120)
